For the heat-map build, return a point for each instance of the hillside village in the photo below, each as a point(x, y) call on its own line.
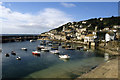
point(102, 29)
point(97, 31)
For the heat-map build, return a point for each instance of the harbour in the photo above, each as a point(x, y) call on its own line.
point(80, 61)
point(59, 40)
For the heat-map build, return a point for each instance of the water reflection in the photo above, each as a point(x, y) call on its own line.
point(65, 60)
point(36, 55)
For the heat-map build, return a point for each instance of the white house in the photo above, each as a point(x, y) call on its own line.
point(109, 36)
point(63, 28)
point(80, 26)
point(83, 29)
point(84, 22)
point(101, 19)
point(90, 38)
point(116, 26)
point(94, 33)
point(78, 35)
point(106, 29)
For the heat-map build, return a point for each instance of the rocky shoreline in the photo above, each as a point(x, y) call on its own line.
point(113, 53)
point(108, 69)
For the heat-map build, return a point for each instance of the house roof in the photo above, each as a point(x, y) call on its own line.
point(111, 33)
point(68, 30)
point(43, 35)
point(90, 35)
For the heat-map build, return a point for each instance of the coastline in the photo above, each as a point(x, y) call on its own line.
point(107, 69)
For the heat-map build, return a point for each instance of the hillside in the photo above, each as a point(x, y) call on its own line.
point(95, 28)
point(90, 24)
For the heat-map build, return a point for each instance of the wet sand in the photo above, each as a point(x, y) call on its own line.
point(70, 69)
point(106, 70)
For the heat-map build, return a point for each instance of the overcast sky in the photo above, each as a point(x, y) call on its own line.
point(38, 17)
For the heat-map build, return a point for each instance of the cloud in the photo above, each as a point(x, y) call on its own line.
point(16, 22)
point(68, 5)
point(0, 3)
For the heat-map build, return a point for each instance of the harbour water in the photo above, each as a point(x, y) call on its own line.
point(46, 65)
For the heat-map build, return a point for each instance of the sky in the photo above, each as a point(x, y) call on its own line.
point(38, 17)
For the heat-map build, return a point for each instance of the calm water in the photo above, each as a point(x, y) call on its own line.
point(47, 65)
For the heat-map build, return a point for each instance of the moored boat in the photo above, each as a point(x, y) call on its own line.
point(24, 49)
point(43, 42)
point(69, 48)
point(13, 53)
point(54, 48)
point(50, 44)
point(45, 50)
point(32, 40)
point(18, 58)
point(35, 52)
point(64, 56)
point(40, 47)
point(80, 48)
point(66, 46)
point(55, 51)
point(7, 55)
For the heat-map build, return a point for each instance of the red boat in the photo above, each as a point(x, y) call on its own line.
point(35, 52)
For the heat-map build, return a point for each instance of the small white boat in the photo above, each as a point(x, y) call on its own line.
point(55, 52)
point(18, 58)
point(41, 46)
point(24, 49)
point(64, 56)
point(50, 44)
point(32, 40)
point(45, 50)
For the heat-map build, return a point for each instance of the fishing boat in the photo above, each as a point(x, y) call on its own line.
point(35, 52)
point(54, 48)
point(55, 51)
point(69, 48)
point(13, 53)
point(18, 58)
point(80, 47)
point(66, 46)
point(40, 47)
point(24, 49)
point(7, 55)
point(85, 48)
point(43, 42)
point(64, 56)
point(50, 44)
point(45, 50)
point(32, 40)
